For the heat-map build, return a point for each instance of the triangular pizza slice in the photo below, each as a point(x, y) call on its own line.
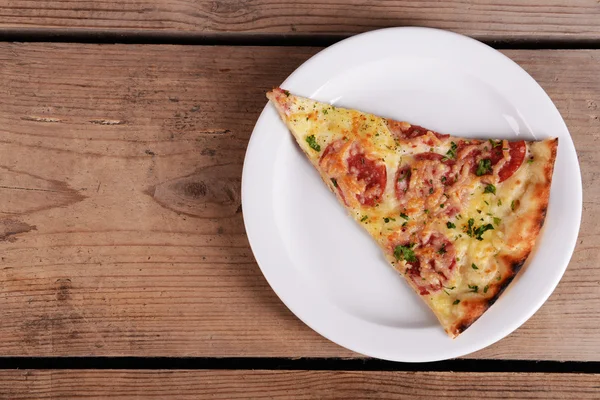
point(456, 217)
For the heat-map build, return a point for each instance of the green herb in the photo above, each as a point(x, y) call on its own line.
point(481, 230)
point(486, 202)
point(312, 142)
point(426, 211)
point(405, 253)
point(470, 223)
point(364, 218)
point(499, 277)
point(497, 221)
point(388, 219)
point(456, 302)
point(530, 161)
point(325, 111)
point(442, 249)
point(474, 266)
point(512, 205)
point(458, 216)
point(334, 181)
point(485, 289)
point(430, 190)
point(287, 93)
point(473, 288)
point(443, 179)
point(478, 211)
point(402, 215)
point(450, 288)
point(450, 225)
point(484, 167)
point(499, 202)
point(495, 144)
point(404, 224)
point(490, 189)
point(442, 205)
point(451, 154)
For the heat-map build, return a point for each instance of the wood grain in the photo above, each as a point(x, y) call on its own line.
point(483, 19)
point(122, 229)
point(94, 384)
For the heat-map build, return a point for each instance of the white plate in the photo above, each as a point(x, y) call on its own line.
point(323, 266)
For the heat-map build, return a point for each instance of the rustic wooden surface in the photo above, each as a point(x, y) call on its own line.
point(121, 229)
point(26, 384)
point(483, 19)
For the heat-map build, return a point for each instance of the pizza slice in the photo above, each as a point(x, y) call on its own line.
point(456, 217)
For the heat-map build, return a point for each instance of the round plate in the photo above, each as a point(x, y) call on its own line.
point(327, 269)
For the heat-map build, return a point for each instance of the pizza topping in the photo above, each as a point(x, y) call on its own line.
point(364, 218)
point(372, 173)
point(489, 188)
point(484, 167)
point(473, 288)
point(402, 181)
point(481, 230)
point(405, 253)
point(334, 181)
point(312, 142)
point(474, 266)
point(456, 302)
point(403, 215)
point(516, 154)
point(450, 225)
point(404, 130)
point(434, 262)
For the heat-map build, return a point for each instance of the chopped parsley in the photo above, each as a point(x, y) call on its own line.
point(450, 225)
point(495, 144)
point(286, 92)
point(402, 215)
point(497, 221)
point(456, 302)
point(481, 230)
point(442, 205)
point(512, 205)
point(325, 111)
point(426, 211)
point(474, 288)
point(442, 249)
point(388, 219)
point(444, 179)
point(490, 189)
point(484, 167)
point(430, 190)
point(451, 153)
point(499, 202)
point(334, 181)
point(404, 224)
point(530, 161)
point(474, 266)
point(405, 253)
point(364, 218)
point(470, 224)
point(485, 289)
point(312, 142)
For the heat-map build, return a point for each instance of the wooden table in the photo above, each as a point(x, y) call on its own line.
point(124, 266)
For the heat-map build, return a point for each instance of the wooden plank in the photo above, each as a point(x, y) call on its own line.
point(485, 19)
point(97, 384)
point(121, 230)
